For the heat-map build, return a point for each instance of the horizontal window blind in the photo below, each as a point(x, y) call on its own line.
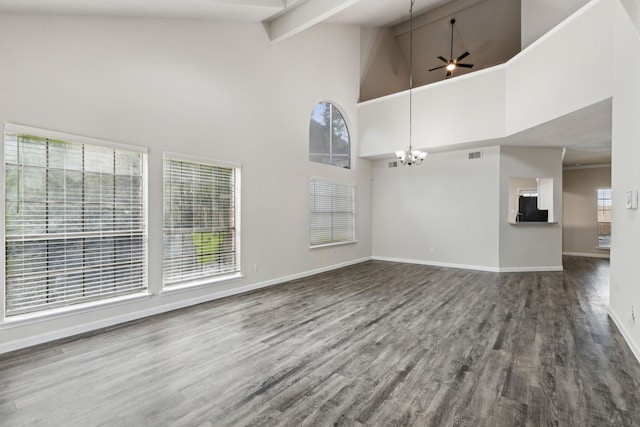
point(75, 227)
point(201, 220)
point(332, 209)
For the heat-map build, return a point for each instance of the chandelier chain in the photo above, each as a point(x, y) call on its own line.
point(411, 73)
point(411, 157)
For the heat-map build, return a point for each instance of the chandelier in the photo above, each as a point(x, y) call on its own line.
point(410, 156)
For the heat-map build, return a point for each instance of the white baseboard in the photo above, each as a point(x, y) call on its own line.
point(472, 267)
point(531, 269)
point(114, 320)
point(438, 264)
point(635, 349)
point(586, 254)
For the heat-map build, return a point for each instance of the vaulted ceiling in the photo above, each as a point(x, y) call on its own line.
point(489, 42)
point(369, 13)
point(489, 30)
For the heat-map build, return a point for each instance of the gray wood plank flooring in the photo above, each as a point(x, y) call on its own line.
point(378, 343)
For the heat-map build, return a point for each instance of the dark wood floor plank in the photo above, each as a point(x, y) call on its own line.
point(376, 343)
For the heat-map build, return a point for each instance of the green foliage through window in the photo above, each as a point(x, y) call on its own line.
point(75, 223)
point(329, 140)
point(200, 220)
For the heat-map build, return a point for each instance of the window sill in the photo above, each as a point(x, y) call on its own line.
point(328, 245)
point(71, 310)
point(195, 284)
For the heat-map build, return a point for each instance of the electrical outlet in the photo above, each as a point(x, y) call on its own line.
point(256, 267)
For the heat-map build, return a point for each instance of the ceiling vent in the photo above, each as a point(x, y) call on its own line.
point(475, 155)
point(393, 164)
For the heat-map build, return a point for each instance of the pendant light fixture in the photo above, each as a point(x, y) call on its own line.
point(411, 156)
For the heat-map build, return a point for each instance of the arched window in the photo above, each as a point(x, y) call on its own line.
point(329, 140)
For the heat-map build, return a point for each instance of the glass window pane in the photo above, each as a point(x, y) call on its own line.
point(200, 230)
point(61, 196)
point(332, 212)
point(604, 206)
point(329, 140)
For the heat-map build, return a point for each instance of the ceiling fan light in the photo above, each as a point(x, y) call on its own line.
point(451, 66)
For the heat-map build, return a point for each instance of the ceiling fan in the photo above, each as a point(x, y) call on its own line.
point(452, 64)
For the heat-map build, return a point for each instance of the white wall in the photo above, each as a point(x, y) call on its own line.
point(460, 209)
point(449, 203)
point(567, 69)
point(498, 102)
point(625, 176)
point(579, 202)
point(467, 108)
point(219, 90)
point(539, 16)
point(530, 246)
point(536, 86)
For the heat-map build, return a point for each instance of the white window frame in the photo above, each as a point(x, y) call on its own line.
point(190, 281)
point(61, 310)
point(314, 242)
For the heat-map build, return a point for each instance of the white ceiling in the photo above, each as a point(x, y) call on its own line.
point(586, 134)
point(245, 10)
point(370, 13)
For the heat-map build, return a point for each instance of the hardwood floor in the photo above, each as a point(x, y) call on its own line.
point(378, 343)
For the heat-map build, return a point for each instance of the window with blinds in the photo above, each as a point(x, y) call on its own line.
point(75, 220)
point(201, 220)
point(332, 209)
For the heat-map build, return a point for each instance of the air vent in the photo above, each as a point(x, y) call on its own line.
point(475, 155)
point(393, 164)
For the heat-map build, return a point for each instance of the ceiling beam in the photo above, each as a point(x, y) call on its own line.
point(304, 16)
point(262, 3)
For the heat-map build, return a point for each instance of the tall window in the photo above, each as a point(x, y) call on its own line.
point(604, 218)
point(332, 209)
point(201, 219)
point(75, 227)
point(329, 137)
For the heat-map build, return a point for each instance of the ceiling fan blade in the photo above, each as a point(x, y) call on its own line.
point(437, 68)
point(464, 65)
point(464, 55)
point(448, 74)
point(442, 59)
